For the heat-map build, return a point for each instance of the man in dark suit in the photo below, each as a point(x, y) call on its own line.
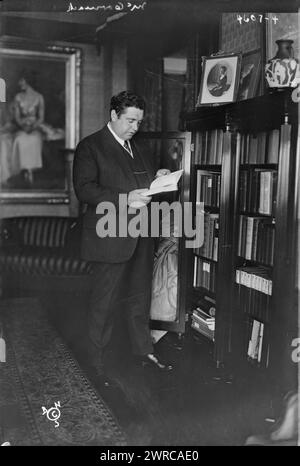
point(107, 164)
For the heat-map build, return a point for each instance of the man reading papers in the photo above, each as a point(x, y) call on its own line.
point(161, 184)
point(164, 183)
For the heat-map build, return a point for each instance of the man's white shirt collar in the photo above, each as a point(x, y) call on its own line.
point(120, 141)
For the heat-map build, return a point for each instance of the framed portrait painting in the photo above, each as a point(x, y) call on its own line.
point(220, 79)
point(250, 75)
point(39, 120)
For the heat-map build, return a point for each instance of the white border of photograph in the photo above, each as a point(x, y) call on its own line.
point(232, 62)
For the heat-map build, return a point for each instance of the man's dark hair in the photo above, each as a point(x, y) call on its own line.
point(126, 99)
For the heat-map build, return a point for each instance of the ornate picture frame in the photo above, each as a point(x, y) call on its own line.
point(220, 79)
point(39, 123)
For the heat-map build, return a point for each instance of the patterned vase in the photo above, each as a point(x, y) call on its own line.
point(283, 69)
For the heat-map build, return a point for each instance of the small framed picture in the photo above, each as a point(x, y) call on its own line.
point(250, 75)
point(220, 79)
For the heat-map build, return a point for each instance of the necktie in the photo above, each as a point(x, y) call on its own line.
point(126, 146)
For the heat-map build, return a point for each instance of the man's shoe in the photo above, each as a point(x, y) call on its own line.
point(102, 378)
point(99, 375)
point(151, 360)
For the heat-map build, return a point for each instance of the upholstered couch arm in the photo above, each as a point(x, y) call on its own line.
point(42, 246)
point(9, 236)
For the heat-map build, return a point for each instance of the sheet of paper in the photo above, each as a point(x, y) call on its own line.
point(164, 183)
point(137, 205)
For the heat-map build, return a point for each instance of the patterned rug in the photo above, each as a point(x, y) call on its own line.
point(43, 386)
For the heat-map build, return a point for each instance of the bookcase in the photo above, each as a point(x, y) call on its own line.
point(243, 170)
point(206, 179)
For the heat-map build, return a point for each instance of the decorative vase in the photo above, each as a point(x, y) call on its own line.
point(283, 69)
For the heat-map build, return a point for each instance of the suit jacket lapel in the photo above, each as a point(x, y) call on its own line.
point(115, 150)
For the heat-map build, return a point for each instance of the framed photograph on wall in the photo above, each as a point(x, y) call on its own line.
point(220, 79)
point(39, 120)
point(250, 75)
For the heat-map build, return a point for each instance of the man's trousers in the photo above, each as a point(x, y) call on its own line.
point(125, 287)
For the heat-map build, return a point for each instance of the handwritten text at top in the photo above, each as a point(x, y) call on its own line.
point(259, 18)
point(119, 6)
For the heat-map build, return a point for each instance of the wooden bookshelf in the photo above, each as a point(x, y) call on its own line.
point(256, 320)
point(267, 166)
point(200, 166)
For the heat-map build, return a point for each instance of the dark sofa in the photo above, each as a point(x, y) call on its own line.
point(40, 256)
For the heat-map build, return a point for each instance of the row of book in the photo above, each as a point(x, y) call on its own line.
point(258, 191)
point(257, 278)
point(208, 188)
point(209, 147)
point(204, 274)
point(211, 237)
point(256, 239)
point(254, 303)
point(255, 344)
point(203, 323)
point(260, 148)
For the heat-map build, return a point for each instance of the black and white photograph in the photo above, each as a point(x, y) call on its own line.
point(220, 78)
point(149, 227)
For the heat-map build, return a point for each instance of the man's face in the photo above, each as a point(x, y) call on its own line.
point(127, 124)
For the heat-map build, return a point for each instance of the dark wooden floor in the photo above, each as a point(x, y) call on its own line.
point(193, 405)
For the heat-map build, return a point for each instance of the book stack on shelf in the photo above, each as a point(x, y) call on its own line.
point(256, 236)
point(258, 191)
point(208, 172)
point(254, 291)
point(203, 318)
point(256, 239)
point(261, 148)
point(208, 188)
point(208, 184)
point(209, 147)
point(211, 237)
point(255, 278)
point(204, 274)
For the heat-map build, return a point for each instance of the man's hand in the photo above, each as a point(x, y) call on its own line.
point(162, 172)
point(136, 196)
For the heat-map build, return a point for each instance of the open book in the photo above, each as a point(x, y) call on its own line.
point(164, 183)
